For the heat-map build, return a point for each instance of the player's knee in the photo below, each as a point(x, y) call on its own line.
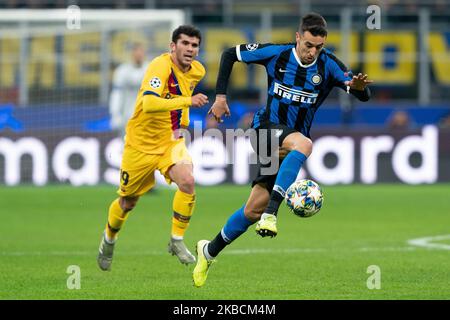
point(187, 184)
point(308, 146)
point(305, 146)
point(298, 142)
point(252, 214)
point(128, 203)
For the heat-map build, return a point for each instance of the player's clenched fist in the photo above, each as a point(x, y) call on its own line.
point(199, 100)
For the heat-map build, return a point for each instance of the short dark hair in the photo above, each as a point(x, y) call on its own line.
point(314, 23)
point(188, 30)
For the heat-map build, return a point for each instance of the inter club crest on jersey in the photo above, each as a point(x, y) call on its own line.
point(316, 79)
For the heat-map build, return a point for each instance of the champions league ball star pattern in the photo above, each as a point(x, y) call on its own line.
point(155, 82)
point(304, 198)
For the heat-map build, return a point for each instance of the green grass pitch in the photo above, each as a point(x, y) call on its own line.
point(45, 230)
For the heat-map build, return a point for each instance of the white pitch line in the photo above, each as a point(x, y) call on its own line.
point(291, 250)
point(427, 242)
point(393, 249)
point(228, 252)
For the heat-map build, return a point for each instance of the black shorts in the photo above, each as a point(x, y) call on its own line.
point(264, 150)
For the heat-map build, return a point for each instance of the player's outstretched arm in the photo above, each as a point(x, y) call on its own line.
point(359, 87)
point(153, 103)
point(220, 105)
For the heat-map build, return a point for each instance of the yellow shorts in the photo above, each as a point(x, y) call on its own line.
point(137, 172)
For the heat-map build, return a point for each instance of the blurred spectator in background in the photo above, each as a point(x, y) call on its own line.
point(347, 110)
point(444, 123)
point(245, 122)
point(126, 83)
point(211, 123)
point(400, 120)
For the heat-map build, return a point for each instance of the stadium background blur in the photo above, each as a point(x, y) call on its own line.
point(55, 82)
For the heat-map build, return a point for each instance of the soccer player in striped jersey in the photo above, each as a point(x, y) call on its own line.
point(153, 142)
point(300, 77)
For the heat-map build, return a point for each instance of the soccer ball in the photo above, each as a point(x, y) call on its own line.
point(304, 198)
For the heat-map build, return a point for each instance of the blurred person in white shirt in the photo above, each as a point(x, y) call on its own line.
point(126, 82)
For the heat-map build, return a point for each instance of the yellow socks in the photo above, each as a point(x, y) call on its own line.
point(183, 206)
point(116, 218)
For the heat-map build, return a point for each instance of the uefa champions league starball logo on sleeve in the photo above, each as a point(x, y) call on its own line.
point(155, 83)
point(252, 46)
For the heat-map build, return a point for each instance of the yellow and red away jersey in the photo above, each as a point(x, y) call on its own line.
point(151, 128)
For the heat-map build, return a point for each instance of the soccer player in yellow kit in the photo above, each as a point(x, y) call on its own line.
point(153, 142)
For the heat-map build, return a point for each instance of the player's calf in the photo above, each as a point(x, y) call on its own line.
point(128, 203)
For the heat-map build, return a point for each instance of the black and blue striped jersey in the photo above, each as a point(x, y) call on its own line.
point(295, 90)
